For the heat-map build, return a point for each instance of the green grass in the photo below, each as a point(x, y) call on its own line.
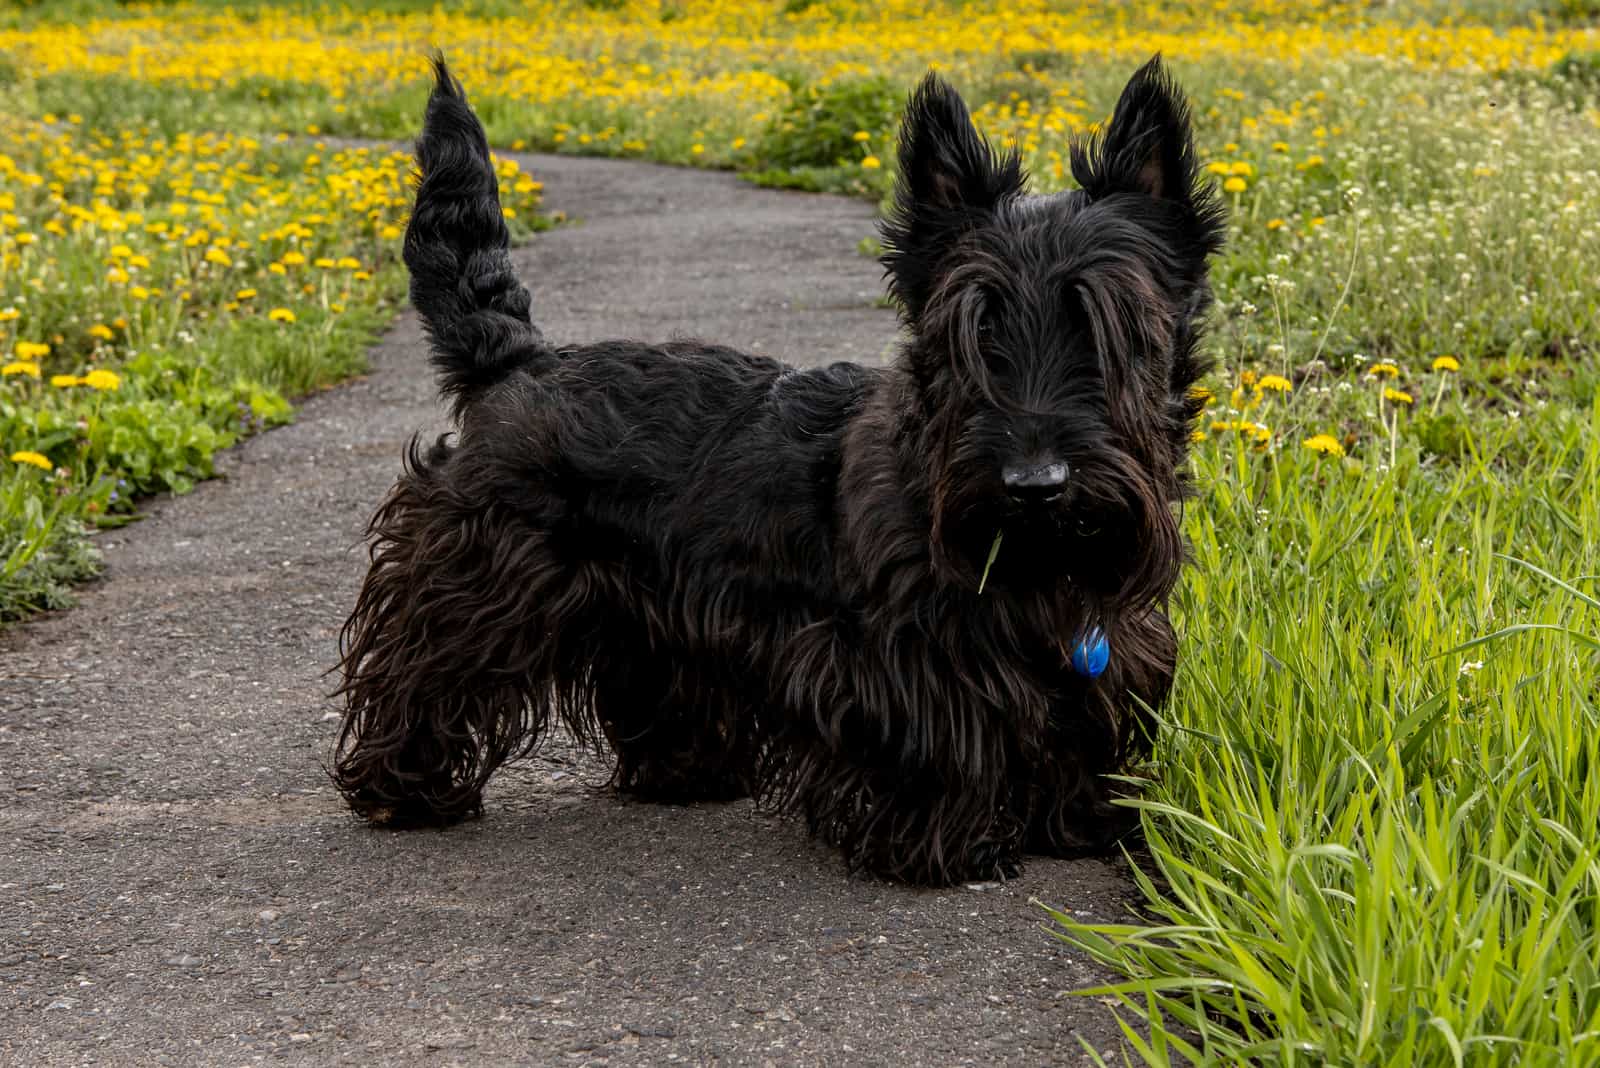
point(159, 432)
point(1372, 824)
point(162, 297)
point(47, 550)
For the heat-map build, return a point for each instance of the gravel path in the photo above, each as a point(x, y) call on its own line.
point(178, 883)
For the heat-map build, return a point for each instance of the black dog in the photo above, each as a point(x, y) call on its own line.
point(879, 597)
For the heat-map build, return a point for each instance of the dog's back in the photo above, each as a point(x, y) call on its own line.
point(687, 456)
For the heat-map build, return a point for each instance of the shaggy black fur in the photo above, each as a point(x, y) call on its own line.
point(748, 578)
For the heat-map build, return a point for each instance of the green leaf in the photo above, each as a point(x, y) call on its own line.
point(994, 551)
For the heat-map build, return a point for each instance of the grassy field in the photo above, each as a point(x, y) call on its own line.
point(1374, 807)
point(162, 293)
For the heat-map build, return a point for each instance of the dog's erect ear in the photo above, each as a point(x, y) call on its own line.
point(950, 179)
point(1147, 146)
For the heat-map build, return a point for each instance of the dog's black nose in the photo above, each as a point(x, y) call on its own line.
point(1035, 482)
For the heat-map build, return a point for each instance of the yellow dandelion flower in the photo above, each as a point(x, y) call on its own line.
point(65, 381)
point(323, 262)
point(38, 460)
point(139, 293)
point(1326, 444)
point(8, 314)
point(281, 315)
point(1234, 185)
point(1446, 363)
point(1201, 394)
point(31, 350)
point(102, 380)
point(218, 257)
point(389, 233)
point(245, 294)
point(1254, 431)
point(293, 258)
point(1398, 396)
point(121, 252)
point(1274, 224)
point(362, 276)
point(20, 367)
point(861, 135)
point(1241, 168)
point(277, 268)
point(1197, 436)
point(138, 261)
point(871, 163)
point(1276, 383)
point(1383, 370)
point(101, 331)
point(348, 263)
point(117, 276)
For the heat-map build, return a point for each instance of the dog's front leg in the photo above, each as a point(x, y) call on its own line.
point(896, 761)
point(1096, 729)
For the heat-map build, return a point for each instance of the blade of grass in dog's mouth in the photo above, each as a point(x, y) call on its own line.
point(994, 551)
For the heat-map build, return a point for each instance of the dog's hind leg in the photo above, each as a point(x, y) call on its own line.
point(446, 660)
point(676, 738)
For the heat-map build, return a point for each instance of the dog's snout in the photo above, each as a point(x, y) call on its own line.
point(1035, 481)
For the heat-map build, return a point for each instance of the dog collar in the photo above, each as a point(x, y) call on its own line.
point(1091, 654)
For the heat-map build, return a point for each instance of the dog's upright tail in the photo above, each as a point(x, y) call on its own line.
point(476, 311)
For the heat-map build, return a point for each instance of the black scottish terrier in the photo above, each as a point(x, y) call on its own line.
point(921, 605)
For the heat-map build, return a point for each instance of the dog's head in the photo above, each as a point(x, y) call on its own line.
point(1053, 341)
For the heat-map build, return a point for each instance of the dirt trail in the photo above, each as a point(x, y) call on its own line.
point(178, 884)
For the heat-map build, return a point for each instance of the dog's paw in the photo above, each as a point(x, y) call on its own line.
point(394, 815)
point(989, 864)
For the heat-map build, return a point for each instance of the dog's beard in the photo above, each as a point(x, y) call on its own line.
point(1112, 538)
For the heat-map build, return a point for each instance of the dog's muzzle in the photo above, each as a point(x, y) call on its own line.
point(1035, 482)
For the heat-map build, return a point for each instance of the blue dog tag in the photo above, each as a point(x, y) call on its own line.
point(1092, 653)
